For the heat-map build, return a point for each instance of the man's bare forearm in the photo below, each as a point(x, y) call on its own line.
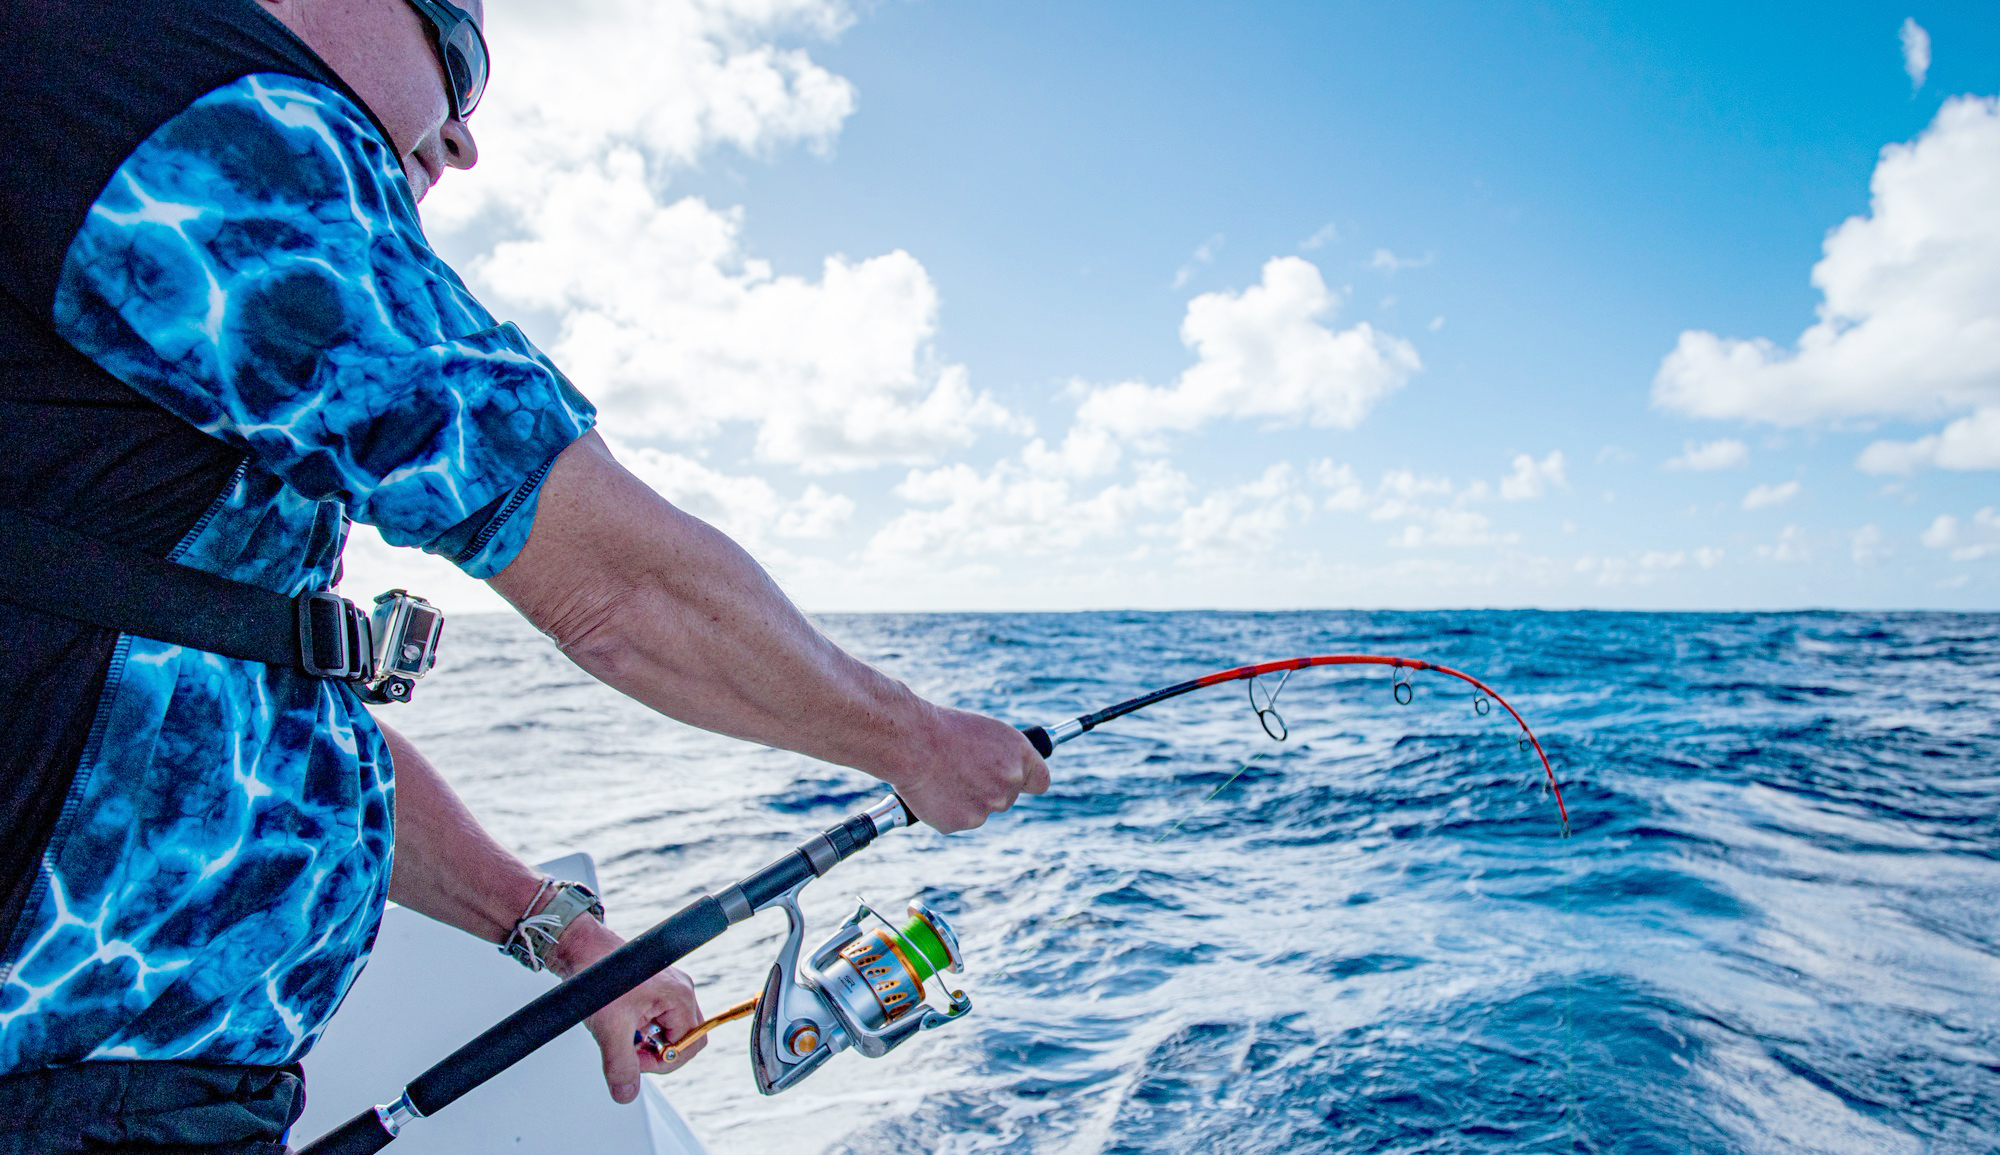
point(667, 609)
point(449, 868)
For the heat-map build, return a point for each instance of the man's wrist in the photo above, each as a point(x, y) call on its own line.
point(913, 743)
point(583, 943)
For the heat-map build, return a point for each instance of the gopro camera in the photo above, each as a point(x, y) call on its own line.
point(405, 631)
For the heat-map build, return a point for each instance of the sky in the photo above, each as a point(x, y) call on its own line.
point(969, 305)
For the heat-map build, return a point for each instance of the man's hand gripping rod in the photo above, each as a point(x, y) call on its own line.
point(541, 1021)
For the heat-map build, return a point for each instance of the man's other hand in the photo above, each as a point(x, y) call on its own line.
point(969, 768)
point(667, 999)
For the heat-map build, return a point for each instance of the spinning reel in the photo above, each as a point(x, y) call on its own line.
point(863, 988)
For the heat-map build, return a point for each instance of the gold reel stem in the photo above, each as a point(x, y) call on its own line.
point(654, 1038)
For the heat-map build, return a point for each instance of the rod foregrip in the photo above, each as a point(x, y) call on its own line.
point(521, 1033)
point(1038, 737)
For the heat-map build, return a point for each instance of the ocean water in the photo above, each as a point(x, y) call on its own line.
point(1776, 927)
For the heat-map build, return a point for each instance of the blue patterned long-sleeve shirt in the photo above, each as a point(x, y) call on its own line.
point(256, 267)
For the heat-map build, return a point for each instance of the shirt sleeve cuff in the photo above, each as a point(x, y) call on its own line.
point(488, 542)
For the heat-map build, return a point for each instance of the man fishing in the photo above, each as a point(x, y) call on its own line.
point(223, 336)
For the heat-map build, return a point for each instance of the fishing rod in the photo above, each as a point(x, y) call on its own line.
point(862, 988)
point(1045, 739)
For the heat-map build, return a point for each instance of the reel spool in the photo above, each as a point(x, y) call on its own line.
point(863, 988)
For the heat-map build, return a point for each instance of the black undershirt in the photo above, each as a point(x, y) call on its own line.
point(82, 84)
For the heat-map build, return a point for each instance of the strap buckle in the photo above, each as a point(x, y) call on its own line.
point(336, 640)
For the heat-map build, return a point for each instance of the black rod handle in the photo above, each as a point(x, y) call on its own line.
point(583, 995)
point(521, 1033)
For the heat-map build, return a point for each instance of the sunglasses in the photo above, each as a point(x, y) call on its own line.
point(462, 49)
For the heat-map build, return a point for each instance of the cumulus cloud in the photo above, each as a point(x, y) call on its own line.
point(1789, 549)
point(1727, 453)
point(1389, 262)
point(673, 78)
point(1532, 478)
point(1769, 496)
point(1965, 541)
point(1013, 510)
point(1967, 443)
point(1265, 352)
point(1867, 545)
point(674, 332)
point(1909, 326)
point(659, 314)
point(1643, 568)
point(1916, 52)
point(1434, 510)
point(748, 509)
point(1246, 519)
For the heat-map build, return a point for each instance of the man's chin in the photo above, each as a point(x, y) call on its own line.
point(419, 178)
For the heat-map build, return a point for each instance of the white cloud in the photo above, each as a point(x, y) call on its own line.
point(1532, 478)
point(1016, 511)
point(1086, 452)
point(1790, 548)
point(369, 565)
point(1264, 352)
point(1641, 568)
point(1910, 322)
point(1867, 545)
point(1246, 519)
point(1204, 254)
point(1967, 443)
point(674, 332)
point(1389, 262)
point(1326, 235)
point(1708, 557)
point(1966, 542)
point(1348, 495)
point(1727, 453)
point(673, 78)
point(1916, 52)
point(1768, 496)
point(658, 313)
point(1434, 510)
point(748, 509)
point(1448, 527)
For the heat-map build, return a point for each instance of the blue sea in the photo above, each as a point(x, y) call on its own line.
point(1776, 927)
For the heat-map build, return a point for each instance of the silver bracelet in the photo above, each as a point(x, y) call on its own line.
point(535, 934)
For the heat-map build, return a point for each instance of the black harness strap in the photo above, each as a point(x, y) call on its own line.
point(54, 571)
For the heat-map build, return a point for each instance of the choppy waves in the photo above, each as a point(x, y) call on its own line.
point(1776, 929)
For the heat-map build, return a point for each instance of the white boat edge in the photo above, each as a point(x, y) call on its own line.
point(429, 988)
